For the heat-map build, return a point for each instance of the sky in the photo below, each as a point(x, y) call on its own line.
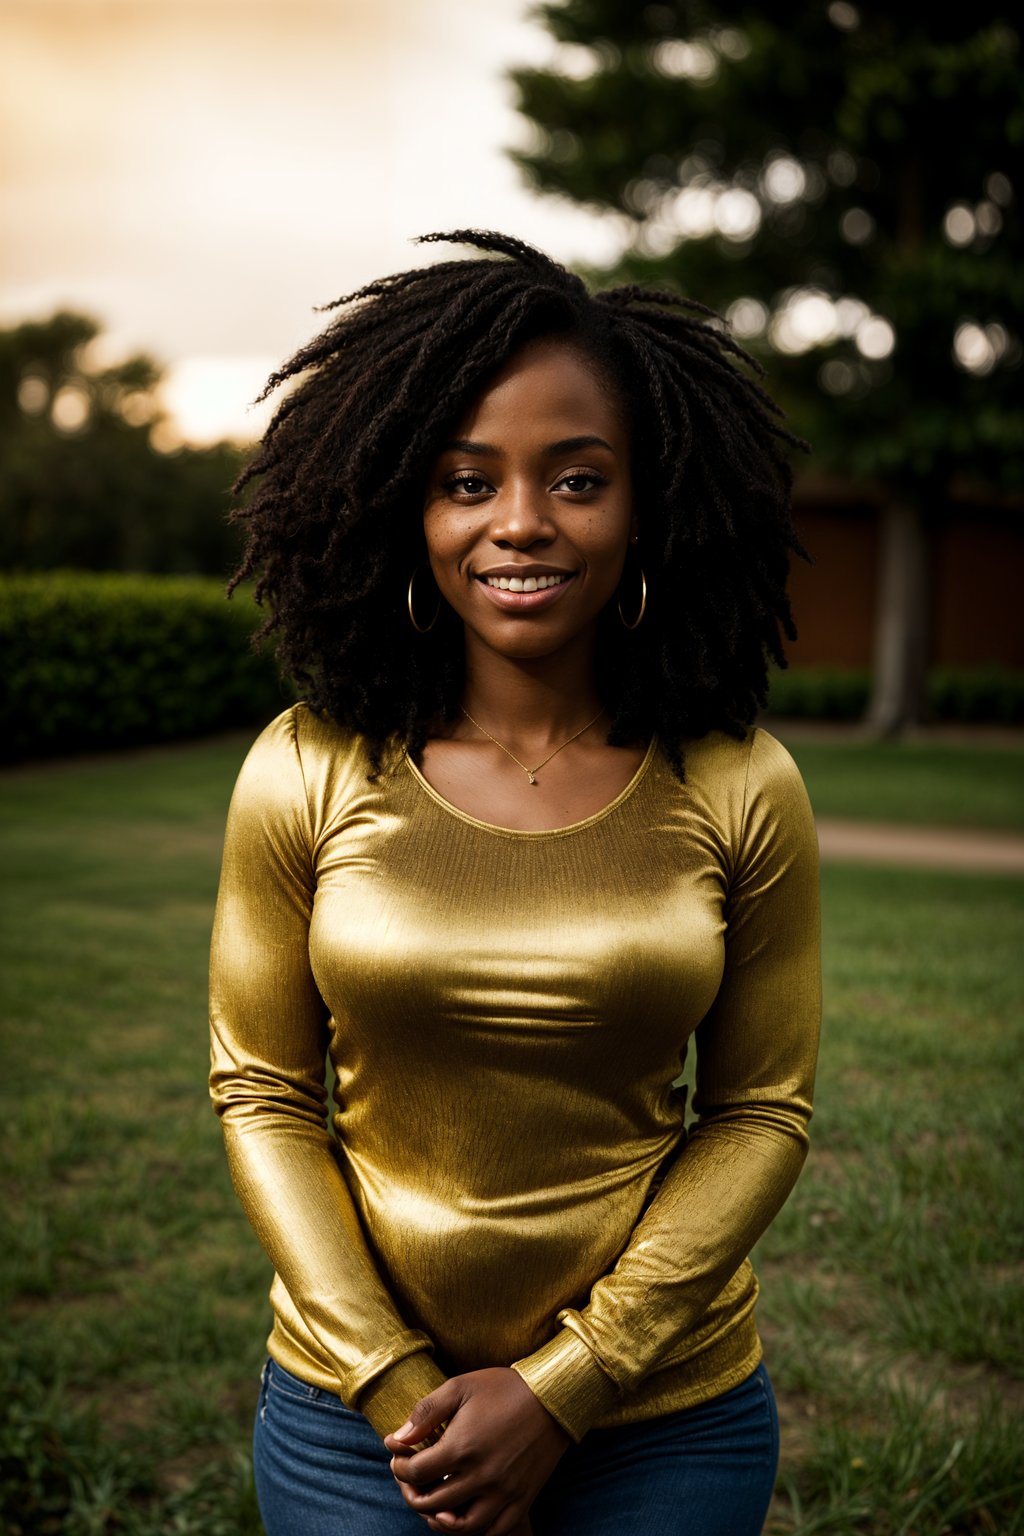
point(199, 176)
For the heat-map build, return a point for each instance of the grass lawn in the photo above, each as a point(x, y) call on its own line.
point(919, 781)
point(134, 1296)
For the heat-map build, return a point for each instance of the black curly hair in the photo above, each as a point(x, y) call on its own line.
point(337, 506)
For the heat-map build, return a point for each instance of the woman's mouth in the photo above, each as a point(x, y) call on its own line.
point(523, 594)
point(524, 583)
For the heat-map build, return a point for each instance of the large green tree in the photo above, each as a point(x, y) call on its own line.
point(81, 482)
point(838, 180)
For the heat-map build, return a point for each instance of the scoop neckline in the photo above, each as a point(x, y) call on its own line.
point(624, 794)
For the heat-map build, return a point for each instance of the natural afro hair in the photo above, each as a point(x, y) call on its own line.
point(334, 520)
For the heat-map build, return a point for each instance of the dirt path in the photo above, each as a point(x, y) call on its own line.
point(872, 842)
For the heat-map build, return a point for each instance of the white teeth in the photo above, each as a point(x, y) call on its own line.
point(521, 584)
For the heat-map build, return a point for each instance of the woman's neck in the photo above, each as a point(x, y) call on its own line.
point(541, 700)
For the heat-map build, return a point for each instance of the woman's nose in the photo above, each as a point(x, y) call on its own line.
point(521, 515)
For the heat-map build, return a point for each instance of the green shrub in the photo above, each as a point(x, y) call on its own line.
point(96, 660)
point(819, 693)
point(994, 695)
point(109, 660)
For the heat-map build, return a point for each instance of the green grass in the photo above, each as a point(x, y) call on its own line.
point(923, 782)
point(134, 1297)
point(893, 1303)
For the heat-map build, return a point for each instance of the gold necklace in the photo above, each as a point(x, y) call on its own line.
point(531, 773)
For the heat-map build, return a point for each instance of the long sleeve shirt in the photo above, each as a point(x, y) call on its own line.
point(507, 1178)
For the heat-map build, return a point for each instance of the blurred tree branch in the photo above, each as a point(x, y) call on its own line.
point(836, 180)
point(81, 480)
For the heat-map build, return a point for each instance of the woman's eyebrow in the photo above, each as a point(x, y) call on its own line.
point(466, 445)
point(574, 444)
point(564, 445)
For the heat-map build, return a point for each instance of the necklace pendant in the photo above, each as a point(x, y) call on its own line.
point(531, 773)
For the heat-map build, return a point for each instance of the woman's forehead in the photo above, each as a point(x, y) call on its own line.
point(548, 375)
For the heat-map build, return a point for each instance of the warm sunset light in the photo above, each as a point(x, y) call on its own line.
point(199, 177)
point(208, 398)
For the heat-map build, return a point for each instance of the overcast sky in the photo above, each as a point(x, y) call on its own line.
point(199, 175)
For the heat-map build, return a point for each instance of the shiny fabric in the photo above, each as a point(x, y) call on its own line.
point(509, 1180)
point(321, 1470)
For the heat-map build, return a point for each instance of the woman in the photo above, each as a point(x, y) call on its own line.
point(525, 549)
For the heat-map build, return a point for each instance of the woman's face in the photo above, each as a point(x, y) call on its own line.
point(529, 510)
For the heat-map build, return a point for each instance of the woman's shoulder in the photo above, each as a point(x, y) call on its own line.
point(752, 761)
point(303, 756)
point(311, 735)
point(746, 783)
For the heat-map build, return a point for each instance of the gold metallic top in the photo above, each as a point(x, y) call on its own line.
point(508, 1181)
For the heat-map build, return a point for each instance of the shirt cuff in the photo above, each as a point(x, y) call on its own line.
point(566, 1378)
point(387, 1400)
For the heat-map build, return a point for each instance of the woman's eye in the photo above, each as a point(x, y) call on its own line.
point(581, 481)
point(469, 485)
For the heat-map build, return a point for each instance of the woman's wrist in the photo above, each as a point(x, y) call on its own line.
point(565, 1376)
point(388, 1399)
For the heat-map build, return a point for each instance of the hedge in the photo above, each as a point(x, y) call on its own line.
point(110, 660)
point(991, 695)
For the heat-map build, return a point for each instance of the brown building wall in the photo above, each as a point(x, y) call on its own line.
point(834, 599)
point(978, 594)
point(977, 587)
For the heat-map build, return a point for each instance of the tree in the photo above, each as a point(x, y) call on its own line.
point(835, 179)
point(81, 483)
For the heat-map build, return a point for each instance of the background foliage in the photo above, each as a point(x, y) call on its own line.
point(837, 180)
point(81, 480)
point(993, 695)
point(799, 157)
point(110, 660)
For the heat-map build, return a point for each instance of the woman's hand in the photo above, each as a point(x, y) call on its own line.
point(498, 1448)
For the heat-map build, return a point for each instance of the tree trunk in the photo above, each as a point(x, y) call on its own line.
point(901, 623)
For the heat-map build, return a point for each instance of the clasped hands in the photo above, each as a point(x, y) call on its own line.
point(498, 1448)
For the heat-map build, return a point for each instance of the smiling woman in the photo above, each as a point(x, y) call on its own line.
point(527, 541)
point(506, 864)
point(513, 479)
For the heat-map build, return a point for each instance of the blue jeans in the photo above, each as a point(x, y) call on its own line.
point(321, 1470)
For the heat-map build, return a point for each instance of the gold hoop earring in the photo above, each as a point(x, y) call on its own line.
point(421, 629)
point(643, 604)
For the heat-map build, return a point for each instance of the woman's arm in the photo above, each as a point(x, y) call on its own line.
point(268, 1050)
